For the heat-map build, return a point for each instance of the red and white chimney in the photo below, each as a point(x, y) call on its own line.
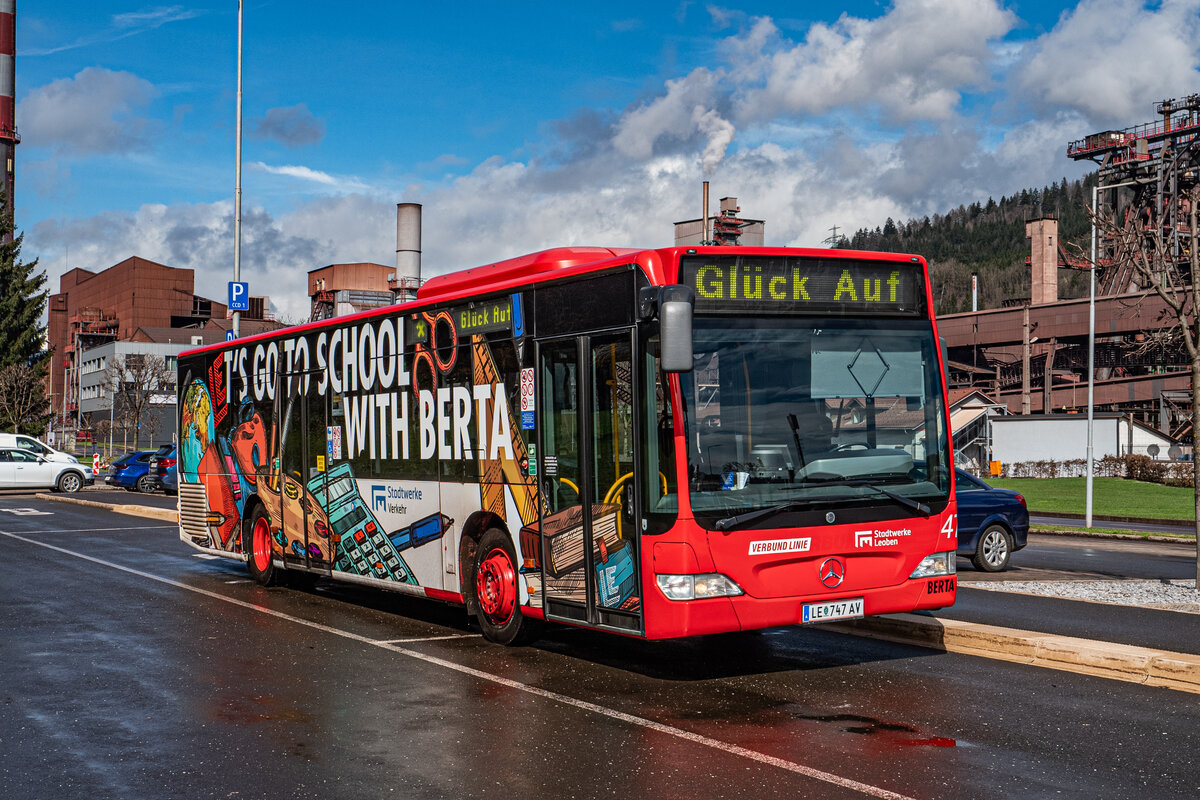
point(8, 99)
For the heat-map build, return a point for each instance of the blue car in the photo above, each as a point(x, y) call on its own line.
point(992, 523)
point(132, 472)
point(164, 467)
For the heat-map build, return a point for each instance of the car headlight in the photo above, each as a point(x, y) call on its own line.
point(697, 587)
point(936, 564)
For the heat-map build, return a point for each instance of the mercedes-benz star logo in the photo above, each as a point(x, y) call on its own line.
point(832, 572)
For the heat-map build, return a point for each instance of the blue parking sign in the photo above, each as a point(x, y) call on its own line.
point(239, 296)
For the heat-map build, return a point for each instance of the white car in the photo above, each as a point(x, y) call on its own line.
point(35, 446)
point(21, 469)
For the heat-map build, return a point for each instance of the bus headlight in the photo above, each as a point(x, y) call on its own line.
point(936, 564)
point(697, 587)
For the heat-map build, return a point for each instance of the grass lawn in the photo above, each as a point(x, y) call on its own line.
point(1111, 497)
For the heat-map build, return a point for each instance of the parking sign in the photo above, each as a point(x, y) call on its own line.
point(239, 296)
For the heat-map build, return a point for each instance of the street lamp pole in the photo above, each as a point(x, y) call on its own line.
point(237, 190)
point(1087, 515)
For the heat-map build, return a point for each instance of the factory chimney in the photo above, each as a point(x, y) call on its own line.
point(408, 251)
point(8, 95)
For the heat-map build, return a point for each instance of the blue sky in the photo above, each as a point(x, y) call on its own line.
point(527, 126)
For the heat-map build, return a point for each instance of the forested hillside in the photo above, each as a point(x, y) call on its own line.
point(989, 240)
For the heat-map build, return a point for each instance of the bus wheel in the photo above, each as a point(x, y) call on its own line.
point(498, 593)
point(257, 547)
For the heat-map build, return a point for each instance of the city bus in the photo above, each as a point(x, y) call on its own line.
point(657, 443)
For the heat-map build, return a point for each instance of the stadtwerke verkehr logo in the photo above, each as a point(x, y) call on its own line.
point(378, 497)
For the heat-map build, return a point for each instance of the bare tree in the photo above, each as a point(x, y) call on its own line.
point(1167, 261)
point(22, 399)
point(135, 380)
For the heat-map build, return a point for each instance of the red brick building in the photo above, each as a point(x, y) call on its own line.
point(92, 308)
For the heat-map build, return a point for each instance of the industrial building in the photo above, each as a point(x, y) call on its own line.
point(127, 301)
point(1033, 357)
point(339, 289)
point(725, 229)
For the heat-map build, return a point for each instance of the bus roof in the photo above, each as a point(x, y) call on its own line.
point(534, 266)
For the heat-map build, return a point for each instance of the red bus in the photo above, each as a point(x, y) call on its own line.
point(658, 443)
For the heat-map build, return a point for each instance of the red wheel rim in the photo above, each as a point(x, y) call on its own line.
point(262, 544)
point(496, 586)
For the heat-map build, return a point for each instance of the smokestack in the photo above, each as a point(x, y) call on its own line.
point(8, 94)
point(705, 238)
point(408, 250)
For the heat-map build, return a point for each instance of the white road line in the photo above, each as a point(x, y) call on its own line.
point(642, 722)
point(428, 639)
point(135, 528)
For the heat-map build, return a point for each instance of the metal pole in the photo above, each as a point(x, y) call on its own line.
point(52, 441)
point(237, 189)
point(1087, 513)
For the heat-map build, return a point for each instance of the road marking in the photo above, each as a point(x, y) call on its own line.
point(205, 556)
point(135, 528)
point(620, 716)
point(428, 639)
point(27, 512)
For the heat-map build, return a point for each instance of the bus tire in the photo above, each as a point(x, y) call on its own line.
point(497, 590)
point(257, 546)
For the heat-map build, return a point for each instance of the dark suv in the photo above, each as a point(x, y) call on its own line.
point(992, 523)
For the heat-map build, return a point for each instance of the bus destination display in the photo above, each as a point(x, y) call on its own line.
point(736, 283)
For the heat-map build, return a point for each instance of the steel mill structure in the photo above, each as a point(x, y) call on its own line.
point(1032, 357)
point(1146, 173)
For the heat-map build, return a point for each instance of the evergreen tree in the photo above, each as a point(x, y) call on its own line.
point(22, 334)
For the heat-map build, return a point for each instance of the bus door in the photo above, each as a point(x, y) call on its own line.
point(589, 542)
point(303, 418)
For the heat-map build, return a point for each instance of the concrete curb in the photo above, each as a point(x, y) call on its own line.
point(149, 512)
point(1083, 534)
point(1178, 671)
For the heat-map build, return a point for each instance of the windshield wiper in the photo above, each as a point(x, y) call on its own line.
point(899, 499)
point(729, 523)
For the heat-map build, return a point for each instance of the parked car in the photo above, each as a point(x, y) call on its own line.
point(21, 469)
point(992, 523)
point(132, 472)
point(166, 468)
point(35, 446)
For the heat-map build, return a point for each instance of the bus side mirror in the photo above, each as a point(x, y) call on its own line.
point(675, 327)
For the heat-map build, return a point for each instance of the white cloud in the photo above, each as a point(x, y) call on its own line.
point(303, 173)
point(1110, 59)
point(121, 26)
point(807, 160)
point(913, 62)
point(670, 116)
point(92, 113)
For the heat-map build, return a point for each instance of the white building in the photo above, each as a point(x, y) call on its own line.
point(96, 393)
point(1063, 437)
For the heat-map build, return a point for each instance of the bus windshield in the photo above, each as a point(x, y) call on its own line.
point(791, 411)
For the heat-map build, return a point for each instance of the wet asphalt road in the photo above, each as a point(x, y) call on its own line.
point(134, 668)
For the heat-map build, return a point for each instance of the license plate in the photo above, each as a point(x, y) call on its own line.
point(835, 609)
